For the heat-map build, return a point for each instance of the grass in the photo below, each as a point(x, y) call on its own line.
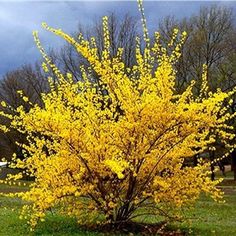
point(207, 218)
point(11, 225)
point(210, 218)
point(5, 188)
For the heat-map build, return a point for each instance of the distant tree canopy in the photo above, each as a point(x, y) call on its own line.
point(122, 33)
point(29, 80)
point(210, 42)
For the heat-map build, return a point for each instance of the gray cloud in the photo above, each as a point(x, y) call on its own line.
point(19, 19)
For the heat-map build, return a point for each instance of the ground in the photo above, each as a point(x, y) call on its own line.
point(207, 218)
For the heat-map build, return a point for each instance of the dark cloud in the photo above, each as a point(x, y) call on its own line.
point(19, 19)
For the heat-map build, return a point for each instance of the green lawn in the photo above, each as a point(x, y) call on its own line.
point(208, 218)
point(11, 225)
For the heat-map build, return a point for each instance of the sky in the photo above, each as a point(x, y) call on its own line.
point(19, 18)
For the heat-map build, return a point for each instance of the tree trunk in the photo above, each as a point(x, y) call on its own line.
point(121, 219)
point(233, 163)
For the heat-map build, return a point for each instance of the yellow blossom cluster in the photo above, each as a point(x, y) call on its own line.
point(110, 146)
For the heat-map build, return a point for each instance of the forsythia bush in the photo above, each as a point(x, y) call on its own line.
point(116, 145)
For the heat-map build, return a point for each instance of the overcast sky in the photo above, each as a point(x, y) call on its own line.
point(19, 19)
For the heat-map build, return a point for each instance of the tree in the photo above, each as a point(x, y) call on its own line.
point(211, 42)
point(122, 33)
point(31, 81)
point(116, 145)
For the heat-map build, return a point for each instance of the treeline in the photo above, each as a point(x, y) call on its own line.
point(210, 41)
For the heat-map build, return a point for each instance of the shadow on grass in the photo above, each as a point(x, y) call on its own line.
point(55, 225)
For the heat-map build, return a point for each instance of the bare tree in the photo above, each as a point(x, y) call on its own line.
point(207, 43)
point(32, 82)
point(123, 33)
